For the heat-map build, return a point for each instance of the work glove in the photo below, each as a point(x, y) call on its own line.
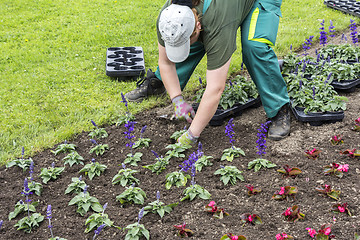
point(187, 138)
point(183, 110)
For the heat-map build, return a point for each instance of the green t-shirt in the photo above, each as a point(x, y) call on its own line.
point(220, 24)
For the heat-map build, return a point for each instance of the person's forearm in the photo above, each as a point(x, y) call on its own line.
point(168, 74)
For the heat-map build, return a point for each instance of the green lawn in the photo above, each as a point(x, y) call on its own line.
point(53, 56)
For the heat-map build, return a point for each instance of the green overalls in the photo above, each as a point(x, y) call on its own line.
point(258, 35)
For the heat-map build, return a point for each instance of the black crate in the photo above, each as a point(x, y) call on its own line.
point(125, 62)
point(346, 85)
point(347, 6)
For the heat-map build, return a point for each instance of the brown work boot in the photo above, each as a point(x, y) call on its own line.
point(280, 124)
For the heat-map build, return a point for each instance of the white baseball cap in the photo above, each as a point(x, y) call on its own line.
point(176, 24)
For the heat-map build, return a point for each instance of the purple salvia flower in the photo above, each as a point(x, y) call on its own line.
point(230, 82)
point(242, 66)
point(187, 164)
point(27, 192)
point(331, 29)
point(93, 160)
point(158, 196)
point(307, 44)
point(22, 152)
point(221, 166)
point(304, 67)
point(323, 38)
point(290, 47)
point(141, 214)
point(124, 100)
point(94, 141)
point(193, 172)
point(328, 77)
point(48, 216)
point(1, 223)
point(262, 138)
point(98, 230)
point(104, 208)
point(229, 130)
point(93, 123)
point(65, 142)
point(80, 178)
point(353, 32)
point(21, 202)
point(313, 89)
point(53, 164)
point(85, 189)
point(31, 171)
point(128, 134)
point(200, 81)
point(316, 52)
point(143, 130)
point(200, 153)
point(155, 154)
point(123, 165)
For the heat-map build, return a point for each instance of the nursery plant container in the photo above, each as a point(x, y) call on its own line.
point(345, 6)
point(317, 118)
point(346, 85)
point(125, 62)
point(221, 114)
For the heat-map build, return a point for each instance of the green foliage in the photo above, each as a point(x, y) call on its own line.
point(125, 177)
point(230, 236)
point(177, 179)
point(250, 218)
point(230, 153)
point(289, 171)
point(194, 191)
point(327, 190)
point(73, 158)
point(29, 223)
point(285, 193)
point(64, 148)
point(95, 220)
point(135, 231)
point(340, 52)
point(21, 163)
point(93, 169)
point(142, 142)
point(176, 151)
point(132, 195)
point(21, 207)
point(76, 186)
point(84, 202)
point(50, 173)
point(98, 133)
point(203, 161)
point(125, 118)
point(229, 174)
point(159, 208)
point(132, 159)
point(159, 166)
point(99, 149)
point(35, 187)
point(177, 134)
point(258, 163)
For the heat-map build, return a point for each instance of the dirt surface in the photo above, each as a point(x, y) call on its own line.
point(233, 198)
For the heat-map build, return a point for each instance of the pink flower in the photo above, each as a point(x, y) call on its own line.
point(212, 203)
point(282, 191)
point(327, 231)
point(287, 212)
point(279, 237)
point(343, 168)
point(250, 218)
point(341, 209)
point(311, 232)
point(234, 238)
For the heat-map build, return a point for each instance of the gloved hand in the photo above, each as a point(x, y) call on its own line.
point(183, 110)
point(187, 138)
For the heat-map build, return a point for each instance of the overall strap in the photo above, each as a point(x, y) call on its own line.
point(206, 5)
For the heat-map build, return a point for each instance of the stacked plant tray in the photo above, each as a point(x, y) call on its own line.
point(347, 6)
point(125, 62)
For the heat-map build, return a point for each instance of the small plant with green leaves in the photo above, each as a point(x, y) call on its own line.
point(195, 190)
point(182, 231)
point(356, 236)
point(98, 132)
point(133, 159)
point(93, 169)
point(142, 142)
point(313, 154)
point(351, 152)
point(218, 213)
point(21, 207)
point(97, 219)
point(99, 149)
point(132, 194)
point(285, 193)
point(177, 178)
point(136, 231)
point(336, 169)
point(203, 161)
point(230, 153)
point(128, 116)
point(34, 186)
point(51, 173)
point(293, 214)
point(125, 177)
point(29, 222)
point(160, 164)
point(324, 233)
point(259, 163)
point(250, 219)
point(84, 202)
point(159, 207)
point(177, 150)
point(230, 236)
point(288, 171)
point(73, 158)
point(341, 208)
point(252, 190)
point(49, 217)
point(329, 191)
point(76, 186)
point(229, 174)
point(178, 134)
point(336, 140)
point(64, 148)
point(21, 162)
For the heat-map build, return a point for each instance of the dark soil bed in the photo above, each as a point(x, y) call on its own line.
point(70, 225)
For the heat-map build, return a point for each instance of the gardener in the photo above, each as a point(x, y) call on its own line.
point(189, 29)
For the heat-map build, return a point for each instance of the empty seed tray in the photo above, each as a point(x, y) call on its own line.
point(125, 62)
point(347, 6)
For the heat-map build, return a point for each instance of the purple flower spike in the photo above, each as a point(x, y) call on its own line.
point(98, 230)
point(85, 189)
point(229, 130)
point(93, 160)
point(104, 207)
point(1, 223)
point(200, 81)
point(124, 100)
point(93, 123)
point(290, 47)
point(93, 141)
point(221, 166)
point(242, 66)
point(313, 92)
point(156, 155)
point(331, 29)
point(143, 129)
point(123, 165)
point(158, 195)
point(80, 178)
point(141, 214)
point(323, 37)
point(53, 165)
point(31, 171)
point(22, 152)
point(353, 32)
point(262, 138)
point(48, 212)
point(300, 84)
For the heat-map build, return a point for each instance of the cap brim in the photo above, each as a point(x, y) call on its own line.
point(179, 53)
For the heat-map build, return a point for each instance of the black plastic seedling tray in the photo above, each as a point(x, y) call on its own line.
point(221, 114)
point(125, 62)
point(317, 119)
point(346, 85)
point(347, 6)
